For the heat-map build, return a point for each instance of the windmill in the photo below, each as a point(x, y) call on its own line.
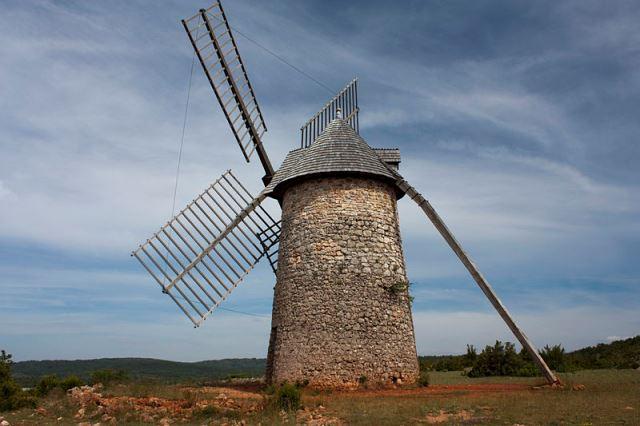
point(341, 307)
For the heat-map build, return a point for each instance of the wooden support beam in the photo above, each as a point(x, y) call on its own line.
point(477, 276)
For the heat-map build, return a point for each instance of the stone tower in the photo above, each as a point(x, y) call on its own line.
point(341, 309)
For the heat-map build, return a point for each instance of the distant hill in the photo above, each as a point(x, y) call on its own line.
point(27, 372)
point(618, 354)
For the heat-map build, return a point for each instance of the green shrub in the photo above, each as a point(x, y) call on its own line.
point(398, 287)
point(46, 384)
point(270, 390)
point(12, 397)
point(553, 356)
point(470, 357)
point(423, 379)
point(527, 370)
point(362, 380)
point(71, 382)
point(499, 360)
point(107, 376)
point(287, 397)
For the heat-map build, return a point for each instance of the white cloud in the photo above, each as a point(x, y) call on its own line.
point(91, 114)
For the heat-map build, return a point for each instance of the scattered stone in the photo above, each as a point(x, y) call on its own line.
point(80, 413)
point(461, 416)
point(42, 411)
point(108, 419)
point(314, 417)
point(578, 387)
point(4, 423)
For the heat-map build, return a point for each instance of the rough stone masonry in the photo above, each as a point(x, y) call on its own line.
point(341, 312)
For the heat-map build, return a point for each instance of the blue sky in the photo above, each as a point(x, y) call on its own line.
point(518, 120)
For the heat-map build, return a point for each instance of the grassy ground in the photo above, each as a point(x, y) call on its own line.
point(609, 397)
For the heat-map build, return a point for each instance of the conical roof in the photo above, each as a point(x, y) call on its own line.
point(336, 151)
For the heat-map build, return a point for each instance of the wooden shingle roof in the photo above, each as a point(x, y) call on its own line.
point(338, 150)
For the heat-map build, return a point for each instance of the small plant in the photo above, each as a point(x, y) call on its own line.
point(362, 380)
point(46, 384)
point(206, 412)
point(398, 287)
point(423, 379)
point(302, 383)
point(286, 397)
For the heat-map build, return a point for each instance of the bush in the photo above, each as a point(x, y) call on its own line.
point(108, 377)
point(71, 382)
point(287, 397)
point(499, 360)
point(423, 379)
point(471, 356)
point(553, 356)
point(46, 384)
point(527, 370)
point(12, 397)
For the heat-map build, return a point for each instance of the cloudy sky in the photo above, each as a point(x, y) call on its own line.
point(518, 120)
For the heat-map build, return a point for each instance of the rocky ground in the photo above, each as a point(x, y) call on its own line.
point(588, 397)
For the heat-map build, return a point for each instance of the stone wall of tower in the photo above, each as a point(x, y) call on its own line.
point(341, 307)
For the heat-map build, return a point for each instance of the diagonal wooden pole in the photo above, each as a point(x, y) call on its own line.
point(477, 276)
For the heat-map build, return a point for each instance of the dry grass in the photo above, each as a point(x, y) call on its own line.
point(609, 397)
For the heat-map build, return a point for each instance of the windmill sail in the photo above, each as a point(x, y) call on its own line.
point(477, 276)
point(346, 101)
point(207, 249)
point(213, 42)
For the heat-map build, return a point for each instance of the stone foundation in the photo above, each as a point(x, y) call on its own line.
point(341, 311)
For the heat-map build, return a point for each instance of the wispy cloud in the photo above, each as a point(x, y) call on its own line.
point(517, 121)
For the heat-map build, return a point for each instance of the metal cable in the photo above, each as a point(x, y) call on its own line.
point(280, 58)
point(226, 309)
point(184, 127)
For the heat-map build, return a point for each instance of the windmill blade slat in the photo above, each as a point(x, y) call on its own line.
point(228, 62)
point(270, 245)
point(246, 200)
point(207, 249)
point(230, 241)
point(346, 100)
point(477, 276)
